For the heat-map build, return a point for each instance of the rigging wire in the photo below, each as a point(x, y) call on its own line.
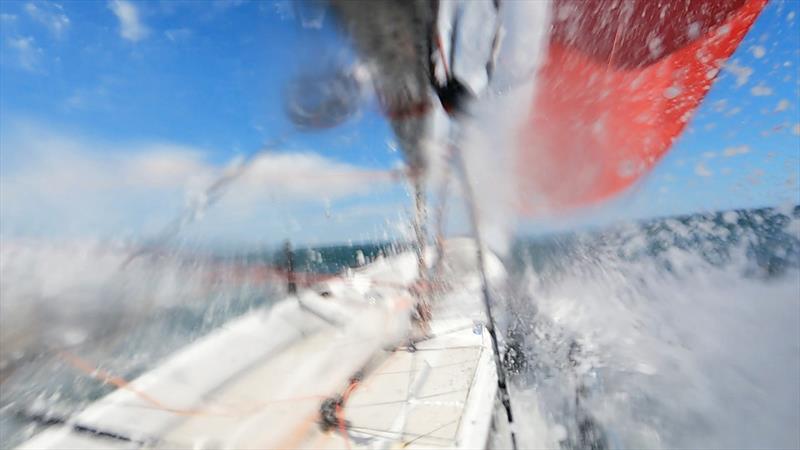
point(502, 376)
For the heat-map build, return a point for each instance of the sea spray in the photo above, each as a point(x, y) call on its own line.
point(487, 133)
point(672, 333)
point(75, 297)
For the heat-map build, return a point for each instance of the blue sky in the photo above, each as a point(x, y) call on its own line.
point(165, 94)
point(743, 144)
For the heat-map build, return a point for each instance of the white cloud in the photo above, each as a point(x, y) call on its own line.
point(761, 90)
point(742, 73)
point(733, 151)
point(758, 51)
point(701, 171)
point(284, 9)
point(130, 25)
point(733, 111)
point(51, 15)
point(178, 34)
point(225, 4)
point(27, 52)
point(59, 183)
point(782, 105)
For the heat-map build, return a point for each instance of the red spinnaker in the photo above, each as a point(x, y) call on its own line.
point(619, 84)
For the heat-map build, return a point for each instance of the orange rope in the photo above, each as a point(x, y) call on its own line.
point(108, 378)
point(340, 411)
point(121, 383)
point(300, 432)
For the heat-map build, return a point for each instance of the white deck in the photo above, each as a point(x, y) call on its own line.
point(259, 381)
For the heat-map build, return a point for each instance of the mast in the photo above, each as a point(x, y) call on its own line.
point(393, 39)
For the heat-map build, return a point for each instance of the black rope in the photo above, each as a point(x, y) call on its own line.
point(49, 420)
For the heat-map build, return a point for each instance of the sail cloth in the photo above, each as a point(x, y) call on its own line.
point(619, 84)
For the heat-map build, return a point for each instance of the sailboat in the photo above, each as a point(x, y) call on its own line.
point(403, 352)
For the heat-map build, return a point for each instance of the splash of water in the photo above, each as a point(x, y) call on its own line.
point(679, 333)
point(76, 297)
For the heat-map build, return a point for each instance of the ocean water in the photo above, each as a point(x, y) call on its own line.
point(673, 333)
point(678, 332)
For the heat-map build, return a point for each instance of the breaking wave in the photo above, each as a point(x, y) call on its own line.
point(672, 333)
